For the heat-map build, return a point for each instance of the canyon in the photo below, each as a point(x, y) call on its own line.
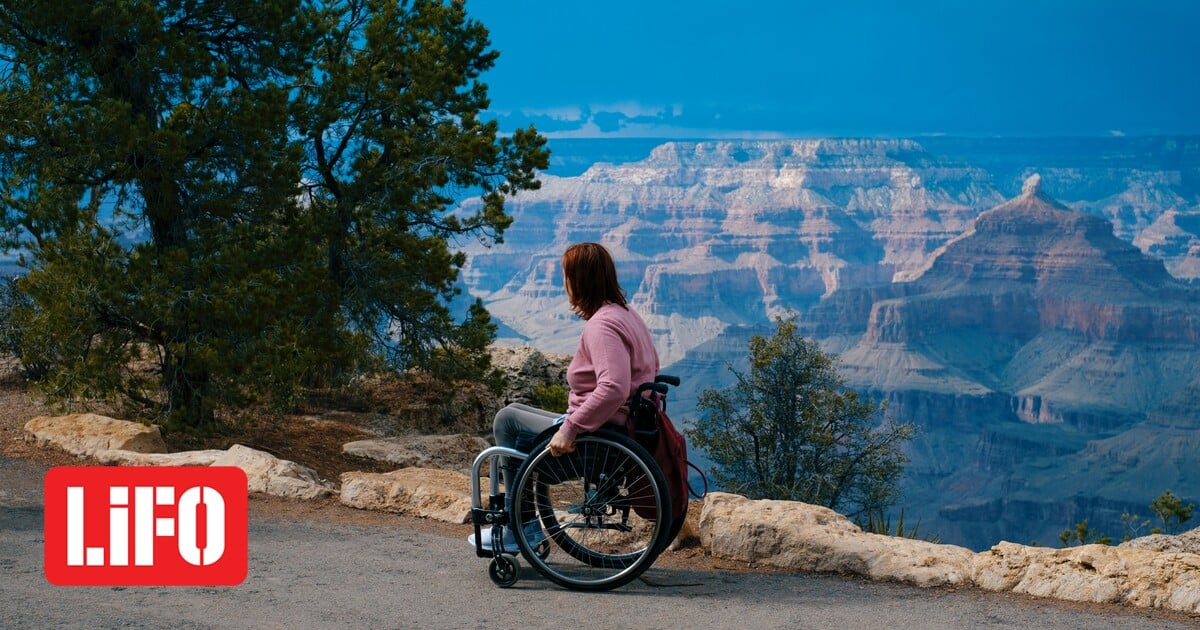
point(1031, 306)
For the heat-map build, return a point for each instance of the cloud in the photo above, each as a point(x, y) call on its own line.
point(567, 113)
point(598, 120)
point(633, 109)
point(630, 119)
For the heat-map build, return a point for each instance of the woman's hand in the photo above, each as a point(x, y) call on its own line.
point(560, 444)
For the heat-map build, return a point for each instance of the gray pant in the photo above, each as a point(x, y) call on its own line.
point(513, 421)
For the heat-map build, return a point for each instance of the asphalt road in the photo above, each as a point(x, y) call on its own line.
point(322, 573)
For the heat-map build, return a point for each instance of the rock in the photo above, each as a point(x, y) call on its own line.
point(525, 368)
point(1094, 573)
point(271, 475)
point(123, 443)
point(441, 495)
point(448, 452)
point(1186, 542)
point(1175, 237)
point(689, 533)
point(799, 536)
point(185, 458)
point(1032, 185)
point(85, 434)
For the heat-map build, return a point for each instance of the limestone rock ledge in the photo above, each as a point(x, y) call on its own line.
point(264, 472)
point(84, 434)
point(1094, 573)
point(806, 537)
point(118, 457)
point(124, 443)
point(442, 495)
point(449, 452)
point(271, 475)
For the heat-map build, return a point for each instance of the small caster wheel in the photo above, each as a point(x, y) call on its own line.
point(542, 549)
point(503, 570)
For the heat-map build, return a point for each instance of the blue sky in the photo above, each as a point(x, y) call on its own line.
point(778, 68)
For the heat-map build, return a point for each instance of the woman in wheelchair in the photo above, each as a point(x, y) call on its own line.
point(575, 485)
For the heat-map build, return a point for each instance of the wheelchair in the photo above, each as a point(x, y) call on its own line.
point(591, 520)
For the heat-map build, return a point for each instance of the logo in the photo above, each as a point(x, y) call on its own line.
point(146, 526)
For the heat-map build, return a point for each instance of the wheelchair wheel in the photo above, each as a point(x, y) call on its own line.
point(504, 570)
point(604, 507)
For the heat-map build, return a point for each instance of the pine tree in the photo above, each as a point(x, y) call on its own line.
point(1171, 512)
point(218, 201)
point(790, 429)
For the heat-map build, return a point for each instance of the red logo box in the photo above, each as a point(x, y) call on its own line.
point(146, 526)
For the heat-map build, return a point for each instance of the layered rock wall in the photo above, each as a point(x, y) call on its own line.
point(990, 324)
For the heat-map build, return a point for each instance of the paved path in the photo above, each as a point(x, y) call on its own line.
point(321, 573)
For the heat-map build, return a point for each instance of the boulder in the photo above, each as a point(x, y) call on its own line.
point(184, 458)
point(449, 452)
point(264, 472)
point(1094, 573)
point(85, 434)
point(793, 535)
point(271, 475)
point(442, 495)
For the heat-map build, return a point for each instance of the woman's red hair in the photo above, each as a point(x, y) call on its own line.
point(590, 278)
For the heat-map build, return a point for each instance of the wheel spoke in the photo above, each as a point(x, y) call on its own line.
point(599, 508)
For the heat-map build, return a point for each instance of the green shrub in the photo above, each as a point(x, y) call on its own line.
point(1081, 534)
point(550, 397)
point(878, 523)
point(790, 429)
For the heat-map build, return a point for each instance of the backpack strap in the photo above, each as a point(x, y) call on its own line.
point(703, 478)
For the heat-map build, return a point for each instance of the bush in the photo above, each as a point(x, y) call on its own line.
point(1081, 534)
point(550, 397)
point(789, 429)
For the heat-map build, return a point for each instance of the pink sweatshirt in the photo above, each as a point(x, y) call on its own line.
point(615, 355)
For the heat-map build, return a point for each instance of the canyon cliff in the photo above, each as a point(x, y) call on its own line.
point(709, 235)
point(1049, 364)
point(1040, 345)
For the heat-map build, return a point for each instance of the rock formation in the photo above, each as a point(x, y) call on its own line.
point(124, 443)
point(712, 234)
point(803, 537)
point(442, 495)
point(1038, 347)
point(717, 234)
point(86, 434)
point(1032, 344)
point(1164, 572)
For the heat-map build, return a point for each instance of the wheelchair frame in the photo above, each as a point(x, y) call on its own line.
point(591, 520)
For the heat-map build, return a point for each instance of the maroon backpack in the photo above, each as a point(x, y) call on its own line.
point(650, 427)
